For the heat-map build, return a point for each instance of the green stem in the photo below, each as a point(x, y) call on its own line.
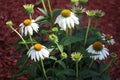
point(54, 66)
point(30, 15)
point(76, 70)
point(58, 47)
point(43, 3)
point(96, 23)
point(107, 66)
point(20, 36)
point(31, 39)
point(49, 5)
point(43, 69)
point(91, 63)
point(88, 27)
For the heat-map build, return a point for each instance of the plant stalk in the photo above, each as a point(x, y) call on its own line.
point(20, 36)
point(43, 70)
point(96, 23)
point(107, 66)
point(76, 70)
point(91, 63)
point(88, 27)
point(43, 3)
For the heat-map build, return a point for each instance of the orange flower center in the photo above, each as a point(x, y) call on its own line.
point(38, 47)
point(98, 46)
point(66, 13)
point(27, 22)
point(108, 37)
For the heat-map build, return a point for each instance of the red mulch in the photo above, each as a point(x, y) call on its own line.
point(13, 10)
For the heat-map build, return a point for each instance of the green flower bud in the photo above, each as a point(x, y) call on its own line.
point(113, 55)
point(29, 8)
point(53, 37)
point(76, 56)
point(99, 13)
point(90, 13)
point(63, 55)
point(79, 10)
point(9, 23)
point(74, 1)
point(83, 2)
point(55, 29)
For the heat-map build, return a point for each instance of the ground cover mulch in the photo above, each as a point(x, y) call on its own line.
point(13, 10)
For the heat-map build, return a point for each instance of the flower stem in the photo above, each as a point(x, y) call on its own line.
point(20, 36)
point(107, 66)
point(49, 7)
point(96, 23)
point(58, 47)
point(43, 3)
point(30, 15)
point(76, 70)
point(91, 63)
point(43, 70)
point(31, 39)
point(88, 27)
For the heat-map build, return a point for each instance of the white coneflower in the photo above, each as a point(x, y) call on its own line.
point(67, 19)
point(99, 50)
point(28, 26)
point(108, 38)
point(38, 52)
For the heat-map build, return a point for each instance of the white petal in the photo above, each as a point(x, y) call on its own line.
point(35, 27)
point(40, 54)
point(26, 31)
point(30, 30)
point(37, 55)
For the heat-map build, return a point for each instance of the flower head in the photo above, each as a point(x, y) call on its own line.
point(28, 26)
point(9, 23)
point(29, 8)
point(90, 13)
point(63, 55)
point(76, 56)
point(38, 52)
point(99, 50)
point(54, 29)
point(113, 55)
point(79, 10)
point(53, 37)
point(99, 13)
point(66, 19)
point(108, 38)
point(75, 2)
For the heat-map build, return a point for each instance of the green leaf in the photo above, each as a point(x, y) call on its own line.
point(56, 12)
point(39, 18)
point(105, 77)
point(62, 64)
point(19, 74)
point(69, 40)
point(32, 69)
point(53, 58)
point(44, 12)
point(69, 72)
point(88, 73)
